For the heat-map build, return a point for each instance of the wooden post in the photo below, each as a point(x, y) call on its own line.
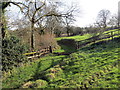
point(50, 48)
point(78, 45)
point(119, 31)
point(94, 39)
point(112, 34)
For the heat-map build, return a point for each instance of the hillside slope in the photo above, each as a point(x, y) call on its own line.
point(94, 66)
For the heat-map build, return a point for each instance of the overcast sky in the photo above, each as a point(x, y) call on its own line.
point(89, 9)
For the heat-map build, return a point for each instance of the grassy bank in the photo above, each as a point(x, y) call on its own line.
point(30, 71)
point(94, 66)
point(76, 38)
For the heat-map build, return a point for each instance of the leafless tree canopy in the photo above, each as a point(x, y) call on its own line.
point(103, 16)
point(114, 21)
point(45, 13)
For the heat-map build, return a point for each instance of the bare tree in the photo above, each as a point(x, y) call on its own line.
point(34, 11)
point(3, 6)
point(114, 21)
point(38, 11)
point(68, 20)
point(98, 24)
point(18, 23)
point(65, 20)
point(103, 17)
point(53, 22)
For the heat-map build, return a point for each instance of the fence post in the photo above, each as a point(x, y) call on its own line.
point(112, 34)
point(119, 31)
point(50, 48)
point(77, 45)
point(94, 40)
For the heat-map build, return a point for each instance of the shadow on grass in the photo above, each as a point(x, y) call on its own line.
point(40, 74)
point(68, 45)
point(105, 44)
point(68, 49)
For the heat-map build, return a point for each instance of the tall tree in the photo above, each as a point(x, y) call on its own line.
point(68, 20)
point(3, 6)
point(114, 21)
point(37, 10)
point(103, 17)
point(53, 23)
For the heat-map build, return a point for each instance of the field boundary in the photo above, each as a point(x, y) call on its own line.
point(39, 53)
point(94, 39)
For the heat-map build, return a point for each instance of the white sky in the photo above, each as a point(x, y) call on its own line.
point(90, 8)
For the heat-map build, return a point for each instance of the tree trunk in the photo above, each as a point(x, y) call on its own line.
point(68, 31)
point(3, 5)
point(3, 25)
point(0, 34)
point(32, 43)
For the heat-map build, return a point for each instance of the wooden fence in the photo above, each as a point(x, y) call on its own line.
point(109, 34)
point(39, 53)
point(79, 44)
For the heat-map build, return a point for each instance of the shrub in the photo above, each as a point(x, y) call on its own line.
point(47, 40)
point(12, 52)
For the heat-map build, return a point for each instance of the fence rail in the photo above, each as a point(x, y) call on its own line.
point(79, 44)
point(109, 34)
point(39, 53)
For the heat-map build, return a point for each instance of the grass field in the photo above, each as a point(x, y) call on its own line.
point(77, 38)
point(29, 71)
point(93, 66)
point(116, 31)
point(86, 36)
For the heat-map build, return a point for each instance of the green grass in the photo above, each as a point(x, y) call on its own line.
point(92, 60)
point(86, 36)
point(70, 49)
point(29, 71)
point(66, 49)
point(77, 38)
point(115, 30)
point(93, 66)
